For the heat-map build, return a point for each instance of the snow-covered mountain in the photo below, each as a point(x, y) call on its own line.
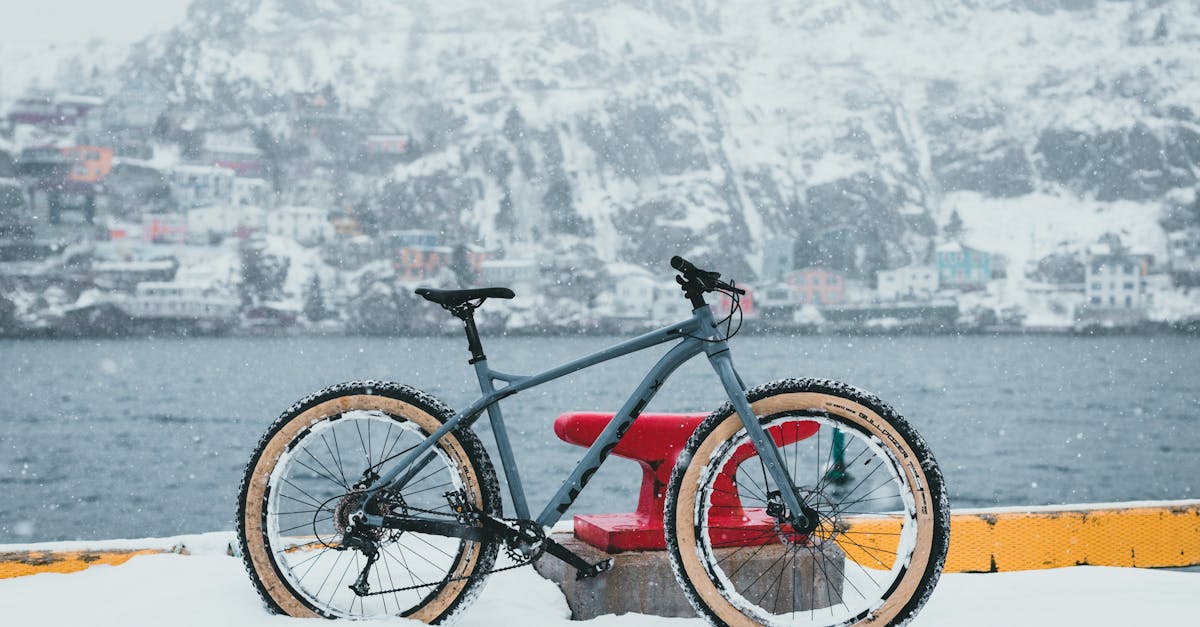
point(632, 129)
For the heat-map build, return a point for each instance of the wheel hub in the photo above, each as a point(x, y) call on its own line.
point(818, 512)
point(349, 505)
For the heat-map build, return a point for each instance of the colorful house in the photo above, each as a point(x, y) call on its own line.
point(164, 228)
point(418, 263)
point(89, 165)
point(817, 286)
point(964, 268)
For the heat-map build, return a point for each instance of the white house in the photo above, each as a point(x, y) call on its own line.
point(632, 291)
point(307, 225)
point(669, 304)
point(206, 223)
point(250, 191)
point(914, 282)
point(1116, 279)
point(200, 185)
point(1183, 250)
point(511, 273)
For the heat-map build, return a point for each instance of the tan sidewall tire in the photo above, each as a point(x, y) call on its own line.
point(252, 521)
point(852, 412)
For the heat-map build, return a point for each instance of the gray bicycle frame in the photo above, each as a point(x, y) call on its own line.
point(698, 334)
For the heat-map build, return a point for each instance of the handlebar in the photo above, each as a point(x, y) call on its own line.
point(706, 280)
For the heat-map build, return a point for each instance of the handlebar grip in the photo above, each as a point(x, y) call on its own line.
point(682, 265)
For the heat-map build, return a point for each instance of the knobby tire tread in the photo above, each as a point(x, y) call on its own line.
point(933, 476)
point(489, 484)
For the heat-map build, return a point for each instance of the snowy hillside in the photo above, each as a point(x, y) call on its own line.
point(624, 127)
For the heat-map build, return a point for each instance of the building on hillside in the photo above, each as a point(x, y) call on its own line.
point(1183, 256)
point(670, 305)
point(816, 286)
point(201, 185)
point(44, 110)
point(631, 292)
point(914, 282)
point(66, 183)
point(318, 112)
point(962, 267)
point(77, 110)
point(1115, 285)
point(45, 165)
point(88, 166)
point(521, 275)
point(306, 225)
point(352, 253)
point(387, 144)
point(164, 228)
point(346, 225)
point(37, 110)
point(249, 191)
point(420, 263)
point(234, 150)
point(215, 222)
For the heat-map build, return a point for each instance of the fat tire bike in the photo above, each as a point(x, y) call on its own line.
point(797, 502)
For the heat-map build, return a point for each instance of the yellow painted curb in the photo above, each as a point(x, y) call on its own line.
point(1147, 536)
point(21, 563)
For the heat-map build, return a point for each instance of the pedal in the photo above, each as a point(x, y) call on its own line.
point(595, 570)
point(583, 569)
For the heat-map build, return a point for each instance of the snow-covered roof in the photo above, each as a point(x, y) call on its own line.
point(508, 263)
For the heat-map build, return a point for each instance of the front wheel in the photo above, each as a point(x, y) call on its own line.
point(308, 477)
point(880, 518)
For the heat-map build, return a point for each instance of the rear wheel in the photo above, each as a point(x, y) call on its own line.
point(875, 550)
point(308, 477)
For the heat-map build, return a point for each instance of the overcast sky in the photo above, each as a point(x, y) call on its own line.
point(56, 21)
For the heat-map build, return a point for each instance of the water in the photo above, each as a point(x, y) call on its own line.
point(133, 438)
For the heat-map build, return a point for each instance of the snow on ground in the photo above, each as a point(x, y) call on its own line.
point(210, 588)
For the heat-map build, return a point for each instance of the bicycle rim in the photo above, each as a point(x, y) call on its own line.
point(312, 496)
point(875, 552)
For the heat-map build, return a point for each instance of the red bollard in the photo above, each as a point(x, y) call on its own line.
point(654, 441)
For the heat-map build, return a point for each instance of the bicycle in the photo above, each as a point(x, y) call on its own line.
point(801, 501)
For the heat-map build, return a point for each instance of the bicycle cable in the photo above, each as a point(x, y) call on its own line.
point(735, 307)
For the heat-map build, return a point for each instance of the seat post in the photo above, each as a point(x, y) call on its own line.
point(467, 315)
point(473, 343)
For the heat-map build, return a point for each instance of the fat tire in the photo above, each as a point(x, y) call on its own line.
point(473, 449)
point(932, 478)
